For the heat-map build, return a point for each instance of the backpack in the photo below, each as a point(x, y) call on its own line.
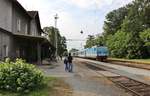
point(65, 61)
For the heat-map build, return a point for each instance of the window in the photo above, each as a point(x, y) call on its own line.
point(34, 30)
point(5, 50)
point(18, 52)
point(34, 33)
point(18, 25)
point(26, 28)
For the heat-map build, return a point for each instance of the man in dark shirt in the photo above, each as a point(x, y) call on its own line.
point(70, 62)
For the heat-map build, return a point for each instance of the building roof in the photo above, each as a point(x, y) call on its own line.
point(28, 36)
point(16, 3)
point(33, 13)
point(33, 38)
point(30, 14)
point(5, 31)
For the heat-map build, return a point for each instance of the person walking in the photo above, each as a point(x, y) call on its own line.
point(70, 66)
point(66, 63)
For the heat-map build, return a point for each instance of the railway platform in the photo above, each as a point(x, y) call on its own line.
point(84, 81)
point(141, 75)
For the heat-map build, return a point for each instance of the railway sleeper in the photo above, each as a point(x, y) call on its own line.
point(124, 82)
point(131, 85)
point(137, 87)
point(120, 79)
point(145, 94)
point(140, 87)
point(143, 90)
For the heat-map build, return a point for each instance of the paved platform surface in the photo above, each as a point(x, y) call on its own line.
point(138, 74)
point(84, 81)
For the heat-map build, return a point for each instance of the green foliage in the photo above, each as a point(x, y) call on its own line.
point(135, 48)
point(61, 40)
point(73, 50)
point(90, 41)
point(19, 76)
point(114, 20)
point(62, 46)
point(117, 44)
point(47, 89)
point(125, 45)
point(126, 31)
point(51, 34)
point(145, 36)
point(99, 40)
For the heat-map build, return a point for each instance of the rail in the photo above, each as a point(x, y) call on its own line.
point(135, 87)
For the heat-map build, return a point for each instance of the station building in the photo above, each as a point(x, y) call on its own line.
point(20, 33)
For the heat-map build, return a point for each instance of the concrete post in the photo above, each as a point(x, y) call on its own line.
point(39, 53)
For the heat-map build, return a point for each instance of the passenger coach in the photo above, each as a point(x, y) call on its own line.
point(98, 53)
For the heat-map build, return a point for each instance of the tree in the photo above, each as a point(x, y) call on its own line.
point(62, 46)
point(61, 40)
point(73, 50)
point(99, 41)
point(132, 19)
point(126, 31)
point(90, 41)
point(135, 23)
point(114, 20)
point(51, 34)
point(145, 36)
point(117, 44)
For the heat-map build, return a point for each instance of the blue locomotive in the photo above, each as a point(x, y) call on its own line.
point(98, 53)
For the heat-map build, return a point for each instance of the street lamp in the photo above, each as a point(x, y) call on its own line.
point(81, 32)
point(56, 45)
point(81, 41)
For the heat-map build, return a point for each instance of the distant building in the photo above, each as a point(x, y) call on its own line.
point(20, 33)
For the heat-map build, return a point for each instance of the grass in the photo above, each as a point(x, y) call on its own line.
point(49, 89)
point(146, 61)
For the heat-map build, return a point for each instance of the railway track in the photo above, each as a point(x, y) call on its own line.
point(135, 87)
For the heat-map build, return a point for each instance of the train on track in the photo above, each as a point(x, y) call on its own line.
point(99, 53)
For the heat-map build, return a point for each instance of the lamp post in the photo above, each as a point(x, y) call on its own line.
point(81, 32)
point(81, 41)
point(56, 34)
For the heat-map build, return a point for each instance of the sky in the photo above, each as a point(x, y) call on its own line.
point(74, 16)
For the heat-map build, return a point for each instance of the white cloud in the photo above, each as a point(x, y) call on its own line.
point(90, 3)
point(96, 4)
point(31, 4)
point(69, 24)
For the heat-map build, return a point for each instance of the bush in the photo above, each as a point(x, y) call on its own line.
point(19, 76)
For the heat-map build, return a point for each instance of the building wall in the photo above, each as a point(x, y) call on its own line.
point(10, 14)
point(24, 21)
point(6, 15)
point(34, 29)
point(6, 45)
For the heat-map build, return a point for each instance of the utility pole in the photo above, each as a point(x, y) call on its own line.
point(56, 34)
